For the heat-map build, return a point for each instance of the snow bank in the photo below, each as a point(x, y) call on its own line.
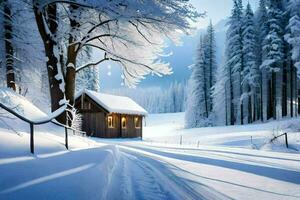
point(25, 108)
point(20, 104)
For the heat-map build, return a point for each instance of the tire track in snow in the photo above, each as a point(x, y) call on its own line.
point(138, 176)
point(146, 185)
point(131, 180)
point(181, 185)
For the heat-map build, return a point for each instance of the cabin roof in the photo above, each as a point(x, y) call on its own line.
point(115, 104)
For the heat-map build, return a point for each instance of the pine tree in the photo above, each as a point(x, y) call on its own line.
point(220, 101)
point(234, 63)
point(274, 56)
point(210, 56)
point(262, 31)
point(197, 109)
point(293, 35)
point(88, 78)
point(250, 72)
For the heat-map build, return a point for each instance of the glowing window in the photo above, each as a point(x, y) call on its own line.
point(137, 123)
point(123, 122)
point(110, 122)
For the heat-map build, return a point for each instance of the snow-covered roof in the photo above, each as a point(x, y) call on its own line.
point(115, 104)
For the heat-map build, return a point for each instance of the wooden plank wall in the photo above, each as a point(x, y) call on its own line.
point(131, 131)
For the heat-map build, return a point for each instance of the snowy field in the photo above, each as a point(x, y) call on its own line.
point(168, 129)
point(223, 165)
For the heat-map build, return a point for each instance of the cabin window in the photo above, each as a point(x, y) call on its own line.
point(110, 122)
point(123, 122)
point(137, 123)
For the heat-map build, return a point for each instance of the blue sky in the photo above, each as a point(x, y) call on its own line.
point(217, 9)
point(183, 56)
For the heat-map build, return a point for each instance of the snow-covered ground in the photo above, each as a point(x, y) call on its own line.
point(168, 129)
point(223, 166)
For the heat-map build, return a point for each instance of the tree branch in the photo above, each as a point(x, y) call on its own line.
point(92, 64)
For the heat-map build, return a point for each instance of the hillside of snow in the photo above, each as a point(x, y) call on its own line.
point(169, 129)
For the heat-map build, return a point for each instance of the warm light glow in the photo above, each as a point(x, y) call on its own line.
point(123, 122)
point(137, 123)
point(110, 122)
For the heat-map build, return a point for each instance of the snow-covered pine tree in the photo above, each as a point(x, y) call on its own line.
point(234, 63)
point(210, 57)
point(196, 113)
point(220, 101)
point(274, 56)
point(250, 73)
point(261, 18)
point(293, 35)
point(88, 78)
point(157, 99)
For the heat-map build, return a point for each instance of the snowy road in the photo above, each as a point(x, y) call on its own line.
point(139, 176)
point(147, 172)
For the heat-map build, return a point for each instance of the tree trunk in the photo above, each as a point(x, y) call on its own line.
point(9, 50)
point(205, 92)
point(71, 61)
point(296, 94)
point(249, 110)
point(279, 83)
point(55, 83)
point(273, 96)
point(231, 99)
point(269, 98)
point(240, 105)
point(291, 75)
point(226, 106)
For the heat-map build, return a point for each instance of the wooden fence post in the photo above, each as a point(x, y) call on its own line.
point(180, 140)
point(66, 138)
point(31, 138)
point(286, 140)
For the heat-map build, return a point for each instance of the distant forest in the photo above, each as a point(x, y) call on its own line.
point(158, 100)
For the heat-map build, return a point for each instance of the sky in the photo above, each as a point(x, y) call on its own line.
point(217, 10)
point(183, 56)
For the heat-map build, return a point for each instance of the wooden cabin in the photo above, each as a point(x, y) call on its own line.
point(110, 116)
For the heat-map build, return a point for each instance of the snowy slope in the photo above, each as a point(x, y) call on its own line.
point(169, 129)
point(25, 108)
point(20, 104)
